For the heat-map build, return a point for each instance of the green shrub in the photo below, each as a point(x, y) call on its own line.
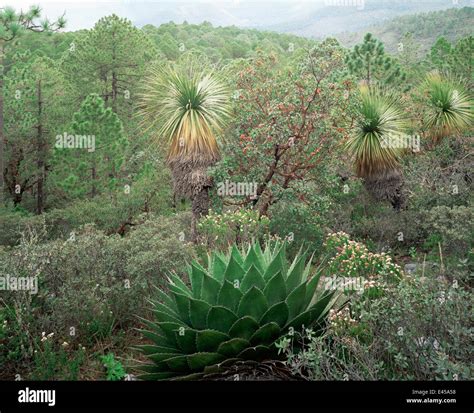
point(419, 329)
point(240, 226)
point(452, 227)
point(90, 284)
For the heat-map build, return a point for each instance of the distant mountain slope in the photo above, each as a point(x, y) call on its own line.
point(332, 17)
point(425, 27)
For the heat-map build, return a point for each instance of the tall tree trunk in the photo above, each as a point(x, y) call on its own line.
point(41, 156)
point(2, 166)
point(93, 177)
point(200, 207)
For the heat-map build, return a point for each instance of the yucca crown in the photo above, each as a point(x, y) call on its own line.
point(233, 310)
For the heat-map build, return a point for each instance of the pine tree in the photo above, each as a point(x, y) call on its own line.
point(462, 58)
point(18, 91)
point(369, 62)
point(93, 152)
point(12, 25)
point(440, 54)
point(109, 60)
point(36, 107)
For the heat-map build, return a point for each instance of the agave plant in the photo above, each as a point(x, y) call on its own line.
point(235, 309)
point(187, 105)
point(450, 107)
point(376, 158)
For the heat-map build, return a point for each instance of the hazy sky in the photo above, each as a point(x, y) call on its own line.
point(84, 13)
point(271, 14)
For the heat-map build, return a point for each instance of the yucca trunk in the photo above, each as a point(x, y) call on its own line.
point(387, 186)
point(191, 180)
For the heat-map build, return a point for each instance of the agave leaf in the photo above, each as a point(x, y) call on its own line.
point(229, 296)
point(198, 310)
point(232, 347)
point(295, 274)
point(210, 290)
point(311, 287)
point(295, 300)
point(166, 300)
point(149, 349)
point(253, 304)
point(275, 266)
point(182, 303)
point(215, 368)
point(157, 376)
point(157, 339)
point(160, 316)
point(259, 253)
point(307, 269)
point(169, 332)
point(278, 313)
point(186, 339)
point(178, 363)
point(252, 278)
point(209, 340)
point(221, 319)
point(234, 271)
point(147, 368)
point(199, 361)
point(295, 259)
point(235, 253)
point(188, 377)
point(314, 314)
point(155, 326)
point(244, 328)
point(196, 276)
point(178, 283)
point(218, 267)
point(255, 353)
point(268, 333)
point(275, 291)
point(161, 357)
point(252, 259)
point(159, 306)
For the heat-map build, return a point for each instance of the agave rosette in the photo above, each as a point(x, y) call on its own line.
point(235, 309)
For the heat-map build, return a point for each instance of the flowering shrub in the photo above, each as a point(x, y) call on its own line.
point(418, 330)
point(222, 230)
point(341, 319)
point(351, 259)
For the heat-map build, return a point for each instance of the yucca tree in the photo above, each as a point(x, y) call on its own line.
point(187, 105)
point(450, 108)
point(235, 309)
point(380, 125)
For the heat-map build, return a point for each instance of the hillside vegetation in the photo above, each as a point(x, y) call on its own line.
point(425, 28)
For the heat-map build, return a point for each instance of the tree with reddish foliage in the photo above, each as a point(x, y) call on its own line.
point(288, 121)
